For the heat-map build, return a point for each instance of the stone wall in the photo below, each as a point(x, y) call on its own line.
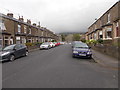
point(112, 49)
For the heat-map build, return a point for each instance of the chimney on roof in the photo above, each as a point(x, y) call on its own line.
point(28, 21)
point(10, 15)
point(21, 18)
point(34, 24)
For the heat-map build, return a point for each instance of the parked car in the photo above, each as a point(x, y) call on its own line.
point(45, 45)
point(81, 50)
point(12, 52)
point(62, 43)
point(75, 42)
point(52, 44)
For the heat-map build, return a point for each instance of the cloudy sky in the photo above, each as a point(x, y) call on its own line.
point(58, 15)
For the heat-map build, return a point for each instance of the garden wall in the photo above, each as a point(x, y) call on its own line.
point(112, 49)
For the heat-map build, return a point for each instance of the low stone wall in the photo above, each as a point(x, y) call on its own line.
point(33, 47)
point(108, 49)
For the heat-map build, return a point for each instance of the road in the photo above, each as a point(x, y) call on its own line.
point(55, 68)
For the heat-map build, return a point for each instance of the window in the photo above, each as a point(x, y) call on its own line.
point(100, 34)
point(17, 40)
point(95, 36)
point(109, 33)
point(100, 23)
point(42, 33)
point(2, 26)
point(117, 30)
point(30, 31)
point(25, 29)
point(19, 28)
point(108, 18)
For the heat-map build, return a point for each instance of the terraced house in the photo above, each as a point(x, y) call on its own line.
point(107, 27)
point(15, 31)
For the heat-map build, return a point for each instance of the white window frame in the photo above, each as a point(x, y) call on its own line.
point(25, 29)
point(19, 28)
point(2, 26)
point(109, 30)
point(30, 30)
point(108, 18)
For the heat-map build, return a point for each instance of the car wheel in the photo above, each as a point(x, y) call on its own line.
point(90, 57)
point(73, 56)
point(26, 54)
point(12, 57)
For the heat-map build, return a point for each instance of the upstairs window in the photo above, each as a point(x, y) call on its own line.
point(19, 28)
point(42, 33)
point(2, 26)
point(25, 29)
point(117, 30)
point(29, 30)
point(100, 23)
point(108, 18)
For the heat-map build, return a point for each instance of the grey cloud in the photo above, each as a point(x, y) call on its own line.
point(60, 15)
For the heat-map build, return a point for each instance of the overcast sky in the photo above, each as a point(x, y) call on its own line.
point(58, 15)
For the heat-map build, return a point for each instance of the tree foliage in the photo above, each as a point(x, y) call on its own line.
point(76, 37)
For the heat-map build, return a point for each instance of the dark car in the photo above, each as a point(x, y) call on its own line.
point(75, 42)
point(13, 51)
point(81, 50)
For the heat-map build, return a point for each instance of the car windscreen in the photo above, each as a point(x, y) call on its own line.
point(45, 43)
point(81, 46)
point(11, 47)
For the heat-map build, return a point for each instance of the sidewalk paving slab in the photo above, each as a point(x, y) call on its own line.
point(105, 60)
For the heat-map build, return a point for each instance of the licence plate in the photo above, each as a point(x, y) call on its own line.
point(82, 54)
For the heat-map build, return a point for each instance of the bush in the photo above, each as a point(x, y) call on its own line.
point(84, 41)
point(100, 41)
point(29, 44)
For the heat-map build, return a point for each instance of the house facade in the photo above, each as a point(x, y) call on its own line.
point(16, 31)
point(107, 27)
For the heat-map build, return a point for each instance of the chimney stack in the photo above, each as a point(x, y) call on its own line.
point(10, 15)
point(34, 24)
point(21, 18)
point(28, 21)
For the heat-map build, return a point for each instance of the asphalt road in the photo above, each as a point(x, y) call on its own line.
point(55, 68)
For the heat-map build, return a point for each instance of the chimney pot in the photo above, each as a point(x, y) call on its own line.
point(10, 15)
point(34, 24)
point(21, 18)
point(28, 21)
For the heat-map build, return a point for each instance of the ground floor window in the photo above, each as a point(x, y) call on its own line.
point(101, 35)
point(23, 40)
point(109, 32)
point(17, 40)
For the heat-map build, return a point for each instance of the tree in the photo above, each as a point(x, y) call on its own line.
point(76, 37)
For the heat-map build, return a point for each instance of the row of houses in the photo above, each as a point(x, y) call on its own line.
point(15, 31)
point(107, 27)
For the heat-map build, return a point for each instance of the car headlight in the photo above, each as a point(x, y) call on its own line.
point(3, 54)
point(89, 52)
point(75, 51)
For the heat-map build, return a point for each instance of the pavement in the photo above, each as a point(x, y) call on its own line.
point(56, 68)
point(105, 60)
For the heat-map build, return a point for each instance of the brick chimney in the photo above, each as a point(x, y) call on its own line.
point(21, 18)
point(34, 24)
point(38, 26)
point(10, 15)
point(28, 21)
